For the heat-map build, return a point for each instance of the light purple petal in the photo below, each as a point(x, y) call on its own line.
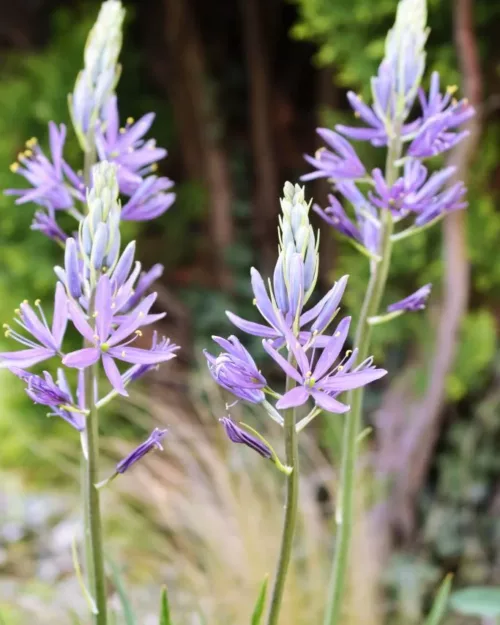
point(349, 381)
point(25, 358)
point(329, 403)
point(82, 358)
point(333, 348)
point(60, 316)
point(113, 374)
point(282, 362)
point(296, 397)
point(256, 329)
point(262, 298)
point(104, 313)
point(80, 322)
point(139, 356)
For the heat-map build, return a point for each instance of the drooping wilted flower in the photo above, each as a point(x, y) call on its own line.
point(46, 341)
point(237, 434)
point(153, 442)
point(109, 342)
point(96, 82)
point(43, 390)
point(54, 184)
point(236, 371)
point(134, 156)
point(415, 301)
point(46, 223)
point(323, 381)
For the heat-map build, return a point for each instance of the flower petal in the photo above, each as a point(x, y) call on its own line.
point(333, 348)
point(329, 403)
point(250, 327)
point(296, 397)
point(25, 357)
point(60, 317)
point(282, 362)
point(103, 310)
point(80, 322)
point(113, 374)
point(346, 382)
point(82, 358)
point(139, 356)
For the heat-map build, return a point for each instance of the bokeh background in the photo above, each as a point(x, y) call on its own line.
point(238, 88)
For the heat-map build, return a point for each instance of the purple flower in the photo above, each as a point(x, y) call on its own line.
point(126, 147)
point(146, 280)
point(46, 223)
point(413, 192)
point(153, 442)
point(110, 342)
point(54, 184)
point(236, 371)
point(442, 116)
point(321, 314)
point(341, 164)
point(57, 396)
point(322, 382)
point(149, 200)
point(46, 341)
point(415, 301)
point(236, 434)
point(450, 200)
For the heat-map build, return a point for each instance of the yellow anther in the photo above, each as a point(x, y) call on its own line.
point(315, 332)
point(31, 142)
point(94, 314)
point(138, 332)
point(254, 301)
point(20, 156)
point(14, 167)
point(17, 311)
point(123, 354)
point(154, 167)
point(454, 101)
point(122, 131)
point(451, 89)
point(348, 352)
point(25, 301)
point(7, 334)
point(28, 153)
point(357, 114)
point(130, 120)
point(340, 367)
point(38, 302)
point(96, 337)
point(318, 152)
point(336, 335)
point(309, 374)
point(5, 326)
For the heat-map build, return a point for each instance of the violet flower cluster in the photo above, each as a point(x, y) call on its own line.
point(317, 361)
point(100, 289)
point(423, 123)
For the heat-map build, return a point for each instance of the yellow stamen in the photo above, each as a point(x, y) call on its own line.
point(318, 152)
point(37, 302)
point(337, 334)
point(28, 153)
point(130, 120)
point(451, 89)
point(138, 332)
point(154, 167)
point(31, 142)
point(94, 314)
point(122, 131)
point(14, 167)
point(357, 114)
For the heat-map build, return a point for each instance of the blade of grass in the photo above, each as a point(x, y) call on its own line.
point(440, 603)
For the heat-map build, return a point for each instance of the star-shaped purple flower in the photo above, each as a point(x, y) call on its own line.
point(340, 164)
point(323, 381)
point(54, 184)
point(127, 147)
point(319, 315)
point(110, 342)
point(46, 341)
point(150, 200)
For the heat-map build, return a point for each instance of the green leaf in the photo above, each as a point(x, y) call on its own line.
point(164, 608)
point(117, 578)
point(479, 601)
point(440, 603)
point(260, 603)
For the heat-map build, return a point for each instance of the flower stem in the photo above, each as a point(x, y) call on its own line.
point(291, 503)
point(93, 513)
point(352, 424)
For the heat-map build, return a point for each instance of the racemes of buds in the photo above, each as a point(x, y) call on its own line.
point(96, 82)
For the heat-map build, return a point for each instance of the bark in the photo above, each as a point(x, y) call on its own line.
point(198, 122)
point(266, 188)
point(417, 443)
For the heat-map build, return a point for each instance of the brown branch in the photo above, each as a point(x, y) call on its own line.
point(419, 439)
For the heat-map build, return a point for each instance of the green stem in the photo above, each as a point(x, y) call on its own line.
point(94, 552)
point(291, 503)
point(93, 513)
point(352, 424)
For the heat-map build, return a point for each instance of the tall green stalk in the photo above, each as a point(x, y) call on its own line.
point(352, 425)
point(94, 553)
point(291, 503)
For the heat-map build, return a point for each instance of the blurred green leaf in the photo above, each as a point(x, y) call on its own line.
point(440, 603)
point(117, 578)
point(164, 608)
point(260, 603)
point(479, 601)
